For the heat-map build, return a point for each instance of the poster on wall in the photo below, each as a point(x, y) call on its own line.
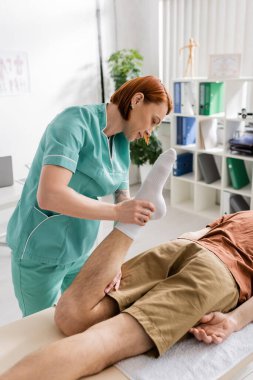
point(224, 66)
point(14, 73)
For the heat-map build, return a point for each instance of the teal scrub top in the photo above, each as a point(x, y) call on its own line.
point(74, 140)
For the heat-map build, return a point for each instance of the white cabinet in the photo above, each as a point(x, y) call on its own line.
point(190, 191)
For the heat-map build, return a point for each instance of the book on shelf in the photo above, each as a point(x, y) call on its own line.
point(208, 168)
point(238, 203)
point(226, 202)
point(237, 172)
point(183, 164)
point(186, 130)
point(208, 133)
point(211, 98)
point(184, 98)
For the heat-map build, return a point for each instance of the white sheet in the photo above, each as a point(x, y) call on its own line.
point(192, 360)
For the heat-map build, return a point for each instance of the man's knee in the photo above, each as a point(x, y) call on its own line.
point(71, 318)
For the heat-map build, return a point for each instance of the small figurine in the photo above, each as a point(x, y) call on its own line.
point(190, 62)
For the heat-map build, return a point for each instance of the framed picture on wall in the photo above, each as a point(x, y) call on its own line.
point(222, 66)
point(14, 73)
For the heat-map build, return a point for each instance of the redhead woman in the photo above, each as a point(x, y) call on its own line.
point(83, 155)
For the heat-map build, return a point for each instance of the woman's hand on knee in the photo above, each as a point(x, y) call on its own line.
point(114, 284)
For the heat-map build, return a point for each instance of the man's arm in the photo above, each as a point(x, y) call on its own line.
point(216, 327)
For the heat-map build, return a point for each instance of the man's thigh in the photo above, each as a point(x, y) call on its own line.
point(196, 284)
point(146, 270)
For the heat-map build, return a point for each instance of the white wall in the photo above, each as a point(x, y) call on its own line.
point(60, 38)
point(138, 28)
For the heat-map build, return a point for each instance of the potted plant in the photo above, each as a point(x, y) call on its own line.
point(144, 155)
point(126, 64)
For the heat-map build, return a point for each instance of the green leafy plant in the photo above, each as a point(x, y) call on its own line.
point(124, 64)
point(141, 153)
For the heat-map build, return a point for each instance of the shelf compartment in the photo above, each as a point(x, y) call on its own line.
point(182, 194)
point(225, 201)
point(239, 94)
point(210, 136)
point(207, 201)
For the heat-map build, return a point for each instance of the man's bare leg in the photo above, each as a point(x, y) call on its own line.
point(84, 303)
point(86, 353)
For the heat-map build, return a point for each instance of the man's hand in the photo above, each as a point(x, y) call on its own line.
point(114, 284)
point(214, 328)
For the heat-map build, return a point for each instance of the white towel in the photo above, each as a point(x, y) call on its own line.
point(191, 360)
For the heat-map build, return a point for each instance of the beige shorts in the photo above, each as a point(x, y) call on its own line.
point(169, 288)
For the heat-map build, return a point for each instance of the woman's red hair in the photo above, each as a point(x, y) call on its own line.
point(152, 89)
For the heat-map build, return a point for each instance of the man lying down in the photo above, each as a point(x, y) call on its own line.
point(164, 293)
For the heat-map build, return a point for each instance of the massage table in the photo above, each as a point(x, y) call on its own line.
point(21, 337)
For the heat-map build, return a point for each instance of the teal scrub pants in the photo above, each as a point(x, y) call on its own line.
point(38, 286)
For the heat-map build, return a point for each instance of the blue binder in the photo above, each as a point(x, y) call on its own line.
point(186, 130)
point(177, 97)
point(183, 164)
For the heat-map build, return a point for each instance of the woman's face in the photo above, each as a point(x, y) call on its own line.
point(143, 118)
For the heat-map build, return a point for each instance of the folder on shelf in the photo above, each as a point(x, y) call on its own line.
point(237, 172)
point(211, 98)
point(177, 97)
point(208, 133)
point(183, 164)
point(201, 98)
point(179, 121)
point(188, 98)
point(186, 130)
point(238, 203)
point(208, 168)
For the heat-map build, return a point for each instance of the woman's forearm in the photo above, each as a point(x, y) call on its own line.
point(68, 202)
point(54, 194)
point(243, 314)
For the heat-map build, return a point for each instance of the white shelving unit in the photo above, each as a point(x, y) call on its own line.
point(190, 192)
